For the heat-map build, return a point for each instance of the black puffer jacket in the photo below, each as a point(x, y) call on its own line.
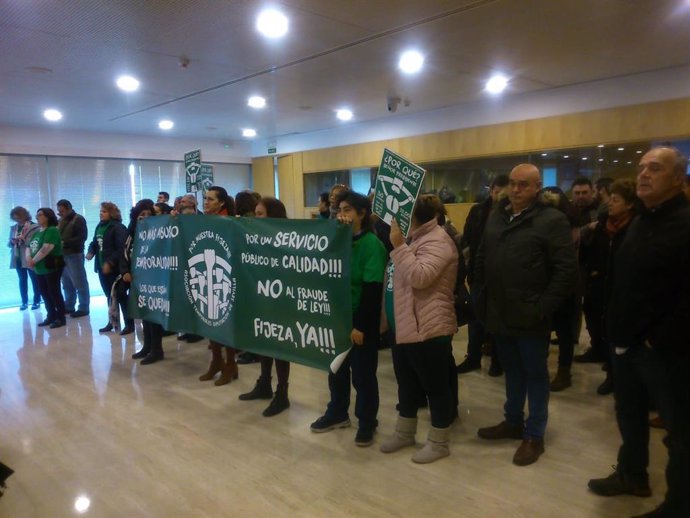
point(650, 301)
point(526, 267)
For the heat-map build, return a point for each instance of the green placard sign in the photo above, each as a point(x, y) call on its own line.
point(397, 186)
point(205, 177)
point(279, 288)
point(192, 167)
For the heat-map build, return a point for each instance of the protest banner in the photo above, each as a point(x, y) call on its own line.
point(192, 167)
point(275, 287)
point(397, 186)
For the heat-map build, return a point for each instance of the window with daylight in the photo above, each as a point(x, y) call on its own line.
point(40, 181)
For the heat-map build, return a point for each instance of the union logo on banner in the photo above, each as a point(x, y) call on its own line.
point(208, 278)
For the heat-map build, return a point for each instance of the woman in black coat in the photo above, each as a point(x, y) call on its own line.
point(107, 248)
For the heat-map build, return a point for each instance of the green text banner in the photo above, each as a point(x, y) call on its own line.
point(276, 287)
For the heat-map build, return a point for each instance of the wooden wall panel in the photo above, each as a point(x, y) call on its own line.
point(661, 120)
point(262, 175)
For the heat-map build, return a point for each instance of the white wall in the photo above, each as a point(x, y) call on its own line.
point(56, 142)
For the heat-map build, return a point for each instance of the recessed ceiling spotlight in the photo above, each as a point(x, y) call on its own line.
point(615, 161)
point(639, 151)
point(272, 23)
point(544, 154)
point(600, 145)
point(343, 114)
point(248, 132)
point(621, 148)
point(256, 101)
point(584, 158)
point(411, 62)
point(496, 84)
point(52, 115)
point(629, 162)
point(166, 124)
point(566, 156)
point(601, 160)
point(127, 83)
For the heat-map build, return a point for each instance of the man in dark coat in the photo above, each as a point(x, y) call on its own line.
point(527, 264)
point(74, 233)
point(647, 323)
point(471, 237)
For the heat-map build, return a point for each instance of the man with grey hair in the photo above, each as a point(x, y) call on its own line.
point(526, 267)
point(648, 327)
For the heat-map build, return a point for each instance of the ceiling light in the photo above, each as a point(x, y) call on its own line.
point(248, 132)
point(615, 161)
point(621, 148)
point(256, 101)
point(343, 114)
point(166, 124)
point(639, 151)
point(544, 154)
point(82, 504)
point(566, 156)
point(272, 24)
point(600, 145)
point(52, 115)
point(601, 160)
point(496, 84)
point(127, 83)
point(629, 162)
point(584, 158)
point(411, 62)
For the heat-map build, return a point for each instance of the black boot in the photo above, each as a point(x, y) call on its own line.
point(156, 353)
point(262, 390)
point(280, 401)
point(5, 473)
point(145, 350)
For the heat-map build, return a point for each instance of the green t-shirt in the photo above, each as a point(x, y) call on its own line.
point(50, 235)
point(388, 300)
point(100, 233)
point(368, 264)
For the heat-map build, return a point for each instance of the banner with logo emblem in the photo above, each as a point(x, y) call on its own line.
point(275, 287)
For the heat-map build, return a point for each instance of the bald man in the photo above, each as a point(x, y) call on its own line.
point(527, 266)
point(649, 331)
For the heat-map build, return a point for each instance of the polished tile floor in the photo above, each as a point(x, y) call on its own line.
point(90, 432)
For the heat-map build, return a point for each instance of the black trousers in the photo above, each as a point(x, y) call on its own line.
point(49, 286)
point(563, 325)
point(282, 369)
point(641, 374)
point(107, 280)
point(423, 368)
point(153, 337)
point(360, 366)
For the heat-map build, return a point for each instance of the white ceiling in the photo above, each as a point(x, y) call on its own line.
point(337, 53)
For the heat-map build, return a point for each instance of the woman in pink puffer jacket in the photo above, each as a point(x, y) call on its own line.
point(419, 307)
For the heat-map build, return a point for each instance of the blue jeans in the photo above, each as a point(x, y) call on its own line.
point(24, 275)
point(527, 377)
point(74, 283)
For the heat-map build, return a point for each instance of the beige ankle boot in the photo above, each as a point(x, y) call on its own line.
point(405, 430)
point(436, 446)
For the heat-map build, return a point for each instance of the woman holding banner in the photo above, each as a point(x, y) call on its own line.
point(271, 208)
point(366, 277)
point(152, 351)
point(217, 202)
point(419, 308)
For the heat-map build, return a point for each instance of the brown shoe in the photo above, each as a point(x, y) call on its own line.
point(503, 430)
point(528, 452)
point(656, 422)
